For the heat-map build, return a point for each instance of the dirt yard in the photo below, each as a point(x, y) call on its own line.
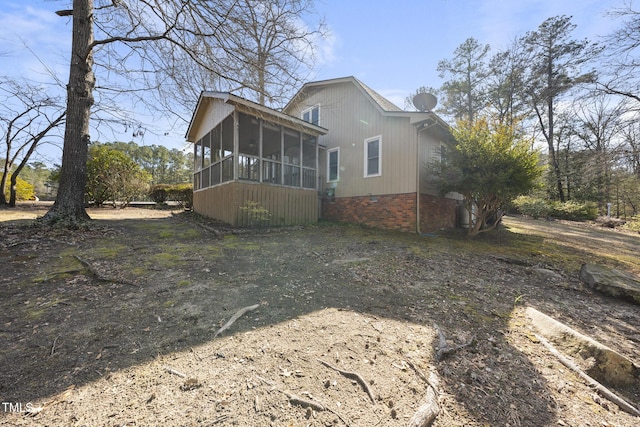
point(117, 326)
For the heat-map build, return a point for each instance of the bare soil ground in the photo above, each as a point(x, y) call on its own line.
point(117, 325)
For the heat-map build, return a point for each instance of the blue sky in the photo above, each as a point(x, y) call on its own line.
point(395, 46)
point(392, 46)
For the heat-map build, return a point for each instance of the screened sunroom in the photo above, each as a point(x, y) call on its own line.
point(247, 155)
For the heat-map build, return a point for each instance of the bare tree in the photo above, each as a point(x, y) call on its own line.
point(623, 55)
point(631, 150)
point(135, 42)
point(598, 123)
point(272, 47)
point(27, 116)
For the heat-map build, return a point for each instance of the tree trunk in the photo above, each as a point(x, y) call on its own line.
point(12, 190)
point(69, 205)
point(5, 174)
point(3, 184)
point(554, 157)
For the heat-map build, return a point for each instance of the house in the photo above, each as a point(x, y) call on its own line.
point(375, 168)
point(338, 151)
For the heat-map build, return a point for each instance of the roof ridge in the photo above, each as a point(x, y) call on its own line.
point(383, 102)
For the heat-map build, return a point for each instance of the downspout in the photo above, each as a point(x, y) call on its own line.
point(418, 181)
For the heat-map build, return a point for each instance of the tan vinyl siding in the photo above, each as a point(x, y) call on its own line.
point(429, 152)
point(211, 116)
point(351, 118)
point(430, 147)
point(287, 206)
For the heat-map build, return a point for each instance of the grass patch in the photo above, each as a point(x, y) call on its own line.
point(34, 314)
point(231, 241)
point(110, 250)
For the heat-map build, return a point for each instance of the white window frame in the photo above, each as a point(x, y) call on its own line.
point(366, 159)
point(333, 150)
point(310, 111)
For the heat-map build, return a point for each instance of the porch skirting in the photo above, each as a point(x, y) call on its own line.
point(286, 205)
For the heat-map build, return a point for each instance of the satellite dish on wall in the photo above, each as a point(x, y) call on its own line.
point(425, 101)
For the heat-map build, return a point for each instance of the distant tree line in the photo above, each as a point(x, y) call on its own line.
point(164, 166)
point(577, 100)
point(118, 172)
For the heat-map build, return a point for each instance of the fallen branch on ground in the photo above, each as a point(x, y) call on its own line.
point(354, 376)
point(605, 392)
point(445, 349)
point(295, 400)
point(220, 419)
point(174, 372)
point(236, 317)
point(316, 406)
point(99, 277)
point(53, 346)
point(422, 376)
point(430, 408)
point(427, 411)
point(210, 229)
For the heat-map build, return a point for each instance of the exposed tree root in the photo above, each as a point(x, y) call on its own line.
point(97, 276)
point(445, 349)
point(354, 376)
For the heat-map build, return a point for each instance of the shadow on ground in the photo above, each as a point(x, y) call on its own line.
point(81, 310)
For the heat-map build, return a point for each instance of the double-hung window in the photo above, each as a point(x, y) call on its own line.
point(312, 114)
point(373, 156)
point(333, 165)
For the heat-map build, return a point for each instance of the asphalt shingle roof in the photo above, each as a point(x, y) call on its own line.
point(383, 102)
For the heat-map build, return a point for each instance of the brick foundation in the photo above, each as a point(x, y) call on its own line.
point(437, 213)
point(393, 212)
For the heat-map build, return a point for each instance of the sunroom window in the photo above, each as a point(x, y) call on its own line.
point(249, 145)
point(266, 152)
point(309, 161)
point(291, 158)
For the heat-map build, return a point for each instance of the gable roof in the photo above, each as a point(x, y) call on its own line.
point(378, 100)
point(253, 108)
point(421, 119)
point(383, 102)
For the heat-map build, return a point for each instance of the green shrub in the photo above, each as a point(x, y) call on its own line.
point(633, 224)
point(183, 194)
point(159, 193)
point(24, 190)
point(533, 206)
point(574, 211)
